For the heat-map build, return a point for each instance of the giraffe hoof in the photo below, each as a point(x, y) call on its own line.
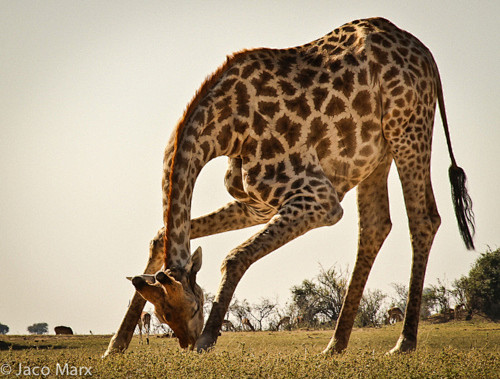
point(112, 351)
point(204, 343)
point(333, 350)
point(403, 346)
point(117, 345)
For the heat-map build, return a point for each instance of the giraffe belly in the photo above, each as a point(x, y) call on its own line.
point(347, 173)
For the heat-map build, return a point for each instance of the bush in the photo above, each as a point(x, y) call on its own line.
point(4, 329)
point(321, 299)
point(370, 312)
point(482, 286)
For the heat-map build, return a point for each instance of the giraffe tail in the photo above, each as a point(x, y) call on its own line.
point(460, 197)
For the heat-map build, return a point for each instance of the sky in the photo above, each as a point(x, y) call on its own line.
point(90, 92)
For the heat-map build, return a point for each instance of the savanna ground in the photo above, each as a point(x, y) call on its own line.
point(460, 349)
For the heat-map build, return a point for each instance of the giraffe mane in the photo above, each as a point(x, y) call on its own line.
point(204, 89)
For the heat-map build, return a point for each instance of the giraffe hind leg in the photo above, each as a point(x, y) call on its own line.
point(423, 218)
point(374, 226)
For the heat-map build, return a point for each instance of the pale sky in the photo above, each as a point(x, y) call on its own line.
point(90, 92)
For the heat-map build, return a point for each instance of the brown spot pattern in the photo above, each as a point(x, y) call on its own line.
point(335, 106)
point(242, 99)
point(299, 106)
point(362, 104)
point(262, 86)
point(319, 96)
point(269, 108)
point(270, 147)
point(259, 123)
point(290, 130)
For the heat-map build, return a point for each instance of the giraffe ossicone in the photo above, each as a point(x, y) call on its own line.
point(301, 127)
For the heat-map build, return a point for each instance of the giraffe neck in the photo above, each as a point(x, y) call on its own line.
point(208, 129)
point(200, 136)
point(183, 163)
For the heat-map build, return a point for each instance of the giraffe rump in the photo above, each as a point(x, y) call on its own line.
point(462, 204)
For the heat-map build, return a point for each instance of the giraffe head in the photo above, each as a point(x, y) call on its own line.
point(178, 300)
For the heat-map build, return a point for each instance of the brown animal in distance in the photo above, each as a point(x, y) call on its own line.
point(394, 315)
point(245, 323)
point(63, 330)
point(144, 323)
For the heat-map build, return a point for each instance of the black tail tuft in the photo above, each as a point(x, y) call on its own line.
point(463, 205)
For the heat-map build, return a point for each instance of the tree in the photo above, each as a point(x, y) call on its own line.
point(4, 329)
point(208, 302)
point(333, 287)
point(322, 297)
point(427, 303)
point(39, 328)
point(370, 311)
point(240, 310)
point(436, 299)
point(459, 290)
point(306, 299)
point(482, 287)
point(261, 311)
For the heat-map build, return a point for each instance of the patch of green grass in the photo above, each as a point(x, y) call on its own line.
point(453, 350)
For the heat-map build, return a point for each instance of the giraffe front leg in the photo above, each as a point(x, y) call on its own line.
point(296, 217)
point(120, 341)
point(374, 226)
point(234, 215)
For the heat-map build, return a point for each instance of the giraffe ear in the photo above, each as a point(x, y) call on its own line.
point(196, 260)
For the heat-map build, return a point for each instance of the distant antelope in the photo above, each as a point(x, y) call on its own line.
point(144, 322)
point(283, 323)
point(394, 315)
point(246, 322)
point(459, 311)
point(228, 326)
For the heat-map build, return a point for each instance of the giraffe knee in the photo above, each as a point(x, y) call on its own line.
point(385, 228)
point(233, 266)
point(436, 222)
point(333, 214)
point(156, 246)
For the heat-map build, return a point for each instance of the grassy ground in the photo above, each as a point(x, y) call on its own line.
point(452, 350)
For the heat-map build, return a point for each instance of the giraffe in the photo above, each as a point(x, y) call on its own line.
point(144, 322)
point(301, 127)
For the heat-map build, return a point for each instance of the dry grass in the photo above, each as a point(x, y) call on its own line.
point(452, 350)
